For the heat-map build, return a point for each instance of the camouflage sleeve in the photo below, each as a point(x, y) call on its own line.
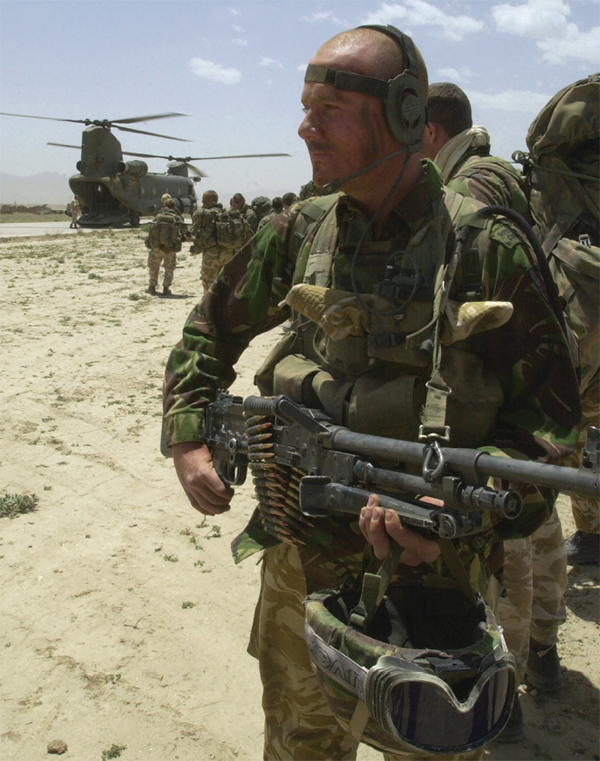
point(530, 356)
point(242, 303)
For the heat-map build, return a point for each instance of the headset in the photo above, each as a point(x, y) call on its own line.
point(404, 103)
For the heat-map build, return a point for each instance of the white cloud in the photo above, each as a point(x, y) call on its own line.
point(214, 71)
point(301, 67)
point(239, 41)
point(236, 28)
point(235, 12)
point(323, 16)
point(520, 101)
point(574, 44)
point(422, 13)
point(452, 75)
point(546, 22)
point(269, 62)
point(536, 18)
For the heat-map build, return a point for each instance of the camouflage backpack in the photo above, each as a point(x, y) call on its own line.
point(562, 173)
point(164, 232)
point(227, 229)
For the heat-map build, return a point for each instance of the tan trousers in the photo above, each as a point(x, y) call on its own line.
point(213, 260)
point(586, 510)
point(535, 579)
point(298, 723)
point(155, 257)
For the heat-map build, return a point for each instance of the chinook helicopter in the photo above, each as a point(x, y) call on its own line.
point(113, 192)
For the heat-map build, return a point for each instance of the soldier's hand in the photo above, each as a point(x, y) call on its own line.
point(378, 525)
point(205, 490)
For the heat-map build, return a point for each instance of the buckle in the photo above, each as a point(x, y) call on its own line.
point(428, 434)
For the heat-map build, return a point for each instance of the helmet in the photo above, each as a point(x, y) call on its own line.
point(164, 198)
point(261, 203)
point(426, 669)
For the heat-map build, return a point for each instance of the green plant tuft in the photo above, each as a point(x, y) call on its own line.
point(12, 505)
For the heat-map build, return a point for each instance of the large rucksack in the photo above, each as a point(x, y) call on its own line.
point(227, 229)
point(562, 173)
point(165, 232)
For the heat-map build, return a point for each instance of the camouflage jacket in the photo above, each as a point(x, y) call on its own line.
point(489, 179)
point(533, 364)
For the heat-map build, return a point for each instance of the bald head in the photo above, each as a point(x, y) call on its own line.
point(368, 52)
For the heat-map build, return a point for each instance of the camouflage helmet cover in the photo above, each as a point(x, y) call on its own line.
point(165, 198)
point(352, 667)
point(261, 202)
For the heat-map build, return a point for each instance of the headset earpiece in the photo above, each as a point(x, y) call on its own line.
point(405, 106)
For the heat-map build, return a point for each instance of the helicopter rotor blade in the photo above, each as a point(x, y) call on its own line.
point(64, 145)
point(196, 171)
point(244, 156)
point(154, 134)
point(192, 168)
point(46, 118)
point(147, 155)
point(135, 119)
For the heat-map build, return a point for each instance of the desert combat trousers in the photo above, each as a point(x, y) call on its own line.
point(586, 510)
point(298, 723)
point(213, 259)
point(155, 258)
point(535, 579)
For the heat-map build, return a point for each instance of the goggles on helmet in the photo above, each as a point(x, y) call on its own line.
point(436, 700)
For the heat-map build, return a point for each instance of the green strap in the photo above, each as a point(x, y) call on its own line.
point(456, 567)
point(375, 584)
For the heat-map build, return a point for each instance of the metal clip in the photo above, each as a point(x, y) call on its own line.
point(432, 470)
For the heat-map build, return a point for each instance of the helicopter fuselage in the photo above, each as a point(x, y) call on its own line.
point(113, 192)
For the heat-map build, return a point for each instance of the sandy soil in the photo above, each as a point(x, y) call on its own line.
point(124, 619)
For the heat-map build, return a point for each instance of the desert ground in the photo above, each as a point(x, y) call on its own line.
point(124, 619)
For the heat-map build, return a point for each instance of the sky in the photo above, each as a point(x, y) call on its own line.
point(236, 70)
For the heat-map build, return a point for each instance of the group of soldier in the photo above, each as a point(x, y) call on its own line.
point(387, 194)
point(216, 233)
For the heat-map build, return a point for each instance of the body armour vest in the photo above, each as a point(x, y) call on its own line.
point(365, 358)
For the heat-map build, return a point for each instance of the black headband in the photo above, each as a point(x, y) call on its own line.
point(378, 88)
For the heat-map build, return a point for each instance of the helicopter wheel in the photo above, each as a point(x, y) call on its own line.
point(134, 220)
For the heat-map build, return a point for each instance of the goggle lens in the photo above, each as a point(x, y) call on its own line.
point(425, 716)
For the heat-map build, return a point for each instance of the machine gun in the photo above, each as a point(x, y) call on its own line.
point(339, 468)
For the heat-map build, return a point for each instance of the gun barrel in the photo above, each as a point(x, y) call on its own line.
point(470, 463)
point(473, 465)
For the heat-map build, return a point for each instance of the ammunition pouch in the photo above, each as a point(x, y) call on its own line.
point(475, 399)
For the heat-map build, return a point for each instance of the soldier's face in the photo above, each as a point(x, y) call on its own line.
point(344, 131)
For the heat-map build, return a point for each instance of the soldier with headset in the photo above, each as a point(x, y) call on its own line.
point(413, 315)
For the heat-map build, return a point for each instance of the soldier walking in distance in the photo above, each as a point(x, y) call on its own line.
point(166, 233)
point(218, 234)
point(75, 212)
point(361, 269)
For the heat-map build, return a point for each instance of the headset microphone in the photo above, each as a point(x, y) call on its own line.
point(335, 185)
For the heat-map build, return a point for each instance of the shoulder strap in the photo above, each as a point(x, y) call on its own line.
point(315, 224)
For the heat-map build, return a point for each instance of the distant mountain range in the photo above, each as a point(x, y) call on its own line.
point(49, 188)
